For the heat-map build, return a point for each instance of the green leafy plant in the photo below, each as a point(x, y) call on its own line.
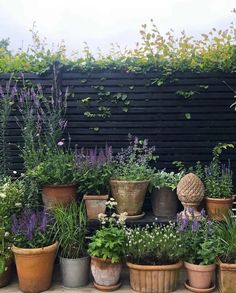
point(109, 241)
point(162, 179)
point(71, 230)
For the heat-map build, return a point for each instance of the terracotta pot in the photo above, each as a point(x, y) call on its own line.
point(105, 273)
point(226, 277)
point(35, 267)
point(129, 195)
point(159, 279)
point(5, 277)
point(164, 202)
point(218, 208)
point(200, 276)
point(95, 204)
point(54, 195)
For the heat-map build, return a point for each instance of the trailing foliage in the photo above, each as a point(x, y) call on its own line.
point(162, 179)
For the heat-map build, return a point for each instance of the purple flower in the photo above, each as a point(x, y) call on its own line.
point(195, 225)
point(203, 213)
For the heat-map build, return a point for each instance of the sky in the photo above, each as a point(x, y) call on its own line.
point(101, 22)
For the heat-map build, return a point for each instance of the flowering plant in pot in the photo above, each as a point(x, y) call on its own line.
point(131, 176)
point(106, 249)
point(71, 231)
point(94, 172)
point(201, 248)
point(11, 193)
point(34, 249)
point(57, 174)
point(218, 185)
point(163, 193)
point(154, 253)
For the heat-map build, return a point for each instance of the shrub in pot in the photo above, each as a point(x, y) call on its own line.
point(163, 193)
point(57, 175)
point(94, 173)
point(34, 250)
point(218, 186)
point(201, 248)
point(131, 177)
point(70, 231)
point(106, 249)
point(153, 258)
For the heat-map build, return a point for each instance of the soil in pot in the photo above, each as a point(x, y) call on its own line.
point(129, 196)
point(226, 277)
point(35, 267)
point(6, 276)
point(218, 208)
point(164, 202)
point(154, 278)
point(200, 276)
point(95, 204)
point(54, 195)
point(75, 272)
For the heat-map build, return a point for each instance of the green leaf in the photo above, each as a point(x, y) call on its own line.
point(188, 116)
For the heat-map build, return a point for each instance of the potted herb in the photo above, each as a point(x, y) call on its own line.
point(94, 172)
point(201, 248)
point(11, 193)
point(106, 249)
point(163, 196)
point(131, 177)
point(57, 175)
point(71, 229)
point(226, 269)
point(153, 253)
point(34, 250)
point(218, 186)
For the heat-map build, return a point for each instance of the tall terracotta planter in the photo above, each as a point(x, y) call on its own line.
point(200, 276)
point(35, 267)
point(106, 274)
point(129, 196)
point(226, 277)
point(159, 279)
point(164, 202)
point(95, 204)
point(54, 195)
point(5, 277)
point(218, 208)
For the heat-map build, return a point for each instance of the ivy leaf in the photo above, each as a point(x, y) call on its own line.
point(125, 109)
point(188, 116)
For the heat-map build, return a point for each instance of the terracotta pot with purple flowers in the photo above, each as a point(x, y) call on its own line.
point(94, 172)
point(34, 250)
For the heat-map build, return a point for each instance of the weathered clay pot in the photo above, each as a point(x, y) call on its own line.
point(164, 202)
point(75, 272)
point(54, 195)
point(129, 195)
point(5, 277)
point(159, 279)
point(35, 267)
point(226, 277)
point(105, 273)
point(190, 191)
point(95, 204)
point(200, 276)
point(218, 208)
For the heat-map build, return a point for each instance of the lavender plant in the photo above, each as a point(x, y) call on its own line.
point(94, 169)
point(133, 162)
point(32, 229)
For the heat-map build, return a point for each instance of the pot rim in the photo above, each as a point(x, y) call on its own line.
point(60, 185)
point(226, 266)
point(95, 197)
point(224, 199)
point(108, 260)
point(194, 267)
point(74, 259)
point(177, 265)
point(34, 251)
point(129, 181)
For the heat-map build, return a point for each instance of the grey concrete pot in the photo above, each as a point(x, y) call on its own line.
point(75, 272)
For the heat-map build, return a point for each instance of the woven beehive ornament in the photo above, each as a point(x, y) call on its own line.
point(190, 191)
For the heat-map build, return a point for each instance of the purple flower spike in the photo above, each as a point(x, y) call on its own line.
point(195, 225)
point(203, 213)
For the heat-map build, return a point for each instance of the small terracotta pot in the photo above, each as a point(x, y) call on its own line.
point(95, 204)
point(218, 208)
point(164, 202)
point(35, 267)
point(129, 195)
point(200, 276)
point(105, 273)
point(54, 195)
point(159, 279)
point(5, 277)
point(226, 277)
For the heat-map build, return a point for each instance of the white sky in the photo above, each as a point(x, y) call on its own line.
point(100, 22)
